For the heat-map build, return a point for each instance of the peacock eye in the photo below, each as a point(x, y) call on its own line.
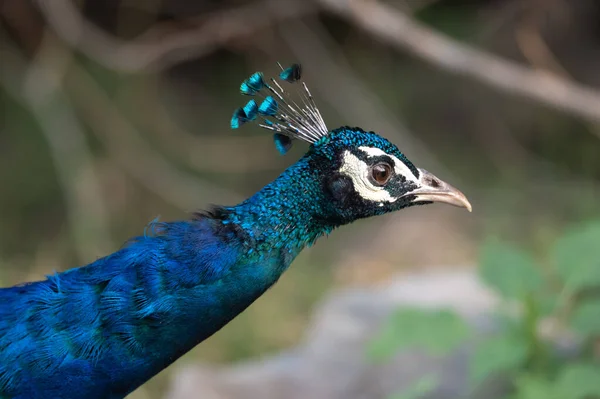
point(381, 173)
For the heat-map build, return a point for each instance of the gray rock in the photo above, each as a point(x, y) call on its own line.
point(331, 361)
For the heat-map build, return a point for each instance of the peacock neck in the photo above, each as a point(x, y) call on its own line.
point(287, 214)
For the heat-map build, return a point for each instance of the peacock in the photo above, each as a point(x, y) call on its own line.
point(100, 331)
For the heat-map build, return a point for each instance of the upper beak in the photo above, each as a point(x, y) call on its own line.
point(435, 190)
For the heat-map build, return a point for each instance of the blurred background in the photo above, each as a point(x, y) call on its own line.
point(114, 112)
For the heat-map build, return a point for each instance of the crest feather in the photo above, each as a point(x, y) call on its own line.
point(278, 111)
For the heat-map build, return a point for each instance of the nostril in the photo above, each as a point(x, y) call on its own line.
point(435, 183)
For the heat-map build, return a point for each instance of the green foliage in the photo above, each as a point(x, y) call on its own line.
point(435, 331)
point(424, 386)
point(574, 381)
point(565, 287)
point(535, 387)
point(579, 381)
point(500, 354)
point(586, 318)
point(577, 257)
point(509, 271)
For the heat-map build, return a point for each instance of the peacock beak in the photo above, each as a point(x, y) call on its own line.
point(435, 190)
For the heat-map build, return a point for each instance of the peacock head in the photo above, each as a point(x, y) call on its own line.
point(362, 173)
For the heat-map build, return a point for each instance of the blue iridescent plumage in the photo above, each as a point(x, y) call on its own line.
point(291, 74)
point(268, 107)
point(101, 330)
point(238, 118)
point(282, 142)
point(253, 84)
point(251, 110)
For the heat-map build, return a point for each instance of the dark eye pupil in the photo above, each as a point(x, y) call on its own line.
point(381, 173)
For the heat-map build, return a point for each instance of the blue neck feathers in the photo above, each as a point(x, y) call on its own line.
point(121, 319)
point(289, 213)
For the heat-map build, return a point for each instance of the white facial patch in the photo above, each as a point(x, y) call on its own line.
point(399, 167)
point(358, 171)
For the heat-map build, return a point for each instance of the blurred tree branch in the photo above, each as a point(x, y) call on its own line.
point(353, 99)
point(399, 30)
point(134, 154)
point(252, 155)
point(40, 92)
point(531, 42)
point(183, 190)
point(158, 49)
point(534, 48)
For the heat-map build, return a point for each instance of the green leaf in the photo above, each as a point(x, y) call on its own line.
point(579, 381)
point(509, 270)
point(499, 354)
point(547, 303)
point(586, 318)
point(439, 332)
point(419, 389)
point(577, 256)
point(574, 381)
point(535, 387)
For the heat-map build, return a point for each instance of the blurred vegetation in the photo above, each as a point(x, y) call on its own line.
point(548, 330)
point(90, 152)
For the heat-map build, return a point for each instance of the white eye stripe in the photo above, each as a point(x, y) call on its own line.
point(358, 171)
point(399, 167)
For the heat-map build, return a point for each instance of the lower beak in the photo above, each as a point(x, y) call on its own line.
point(435, 190)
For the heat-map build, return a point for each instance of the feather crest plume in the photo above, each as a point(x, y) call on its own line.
point(278, 111)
